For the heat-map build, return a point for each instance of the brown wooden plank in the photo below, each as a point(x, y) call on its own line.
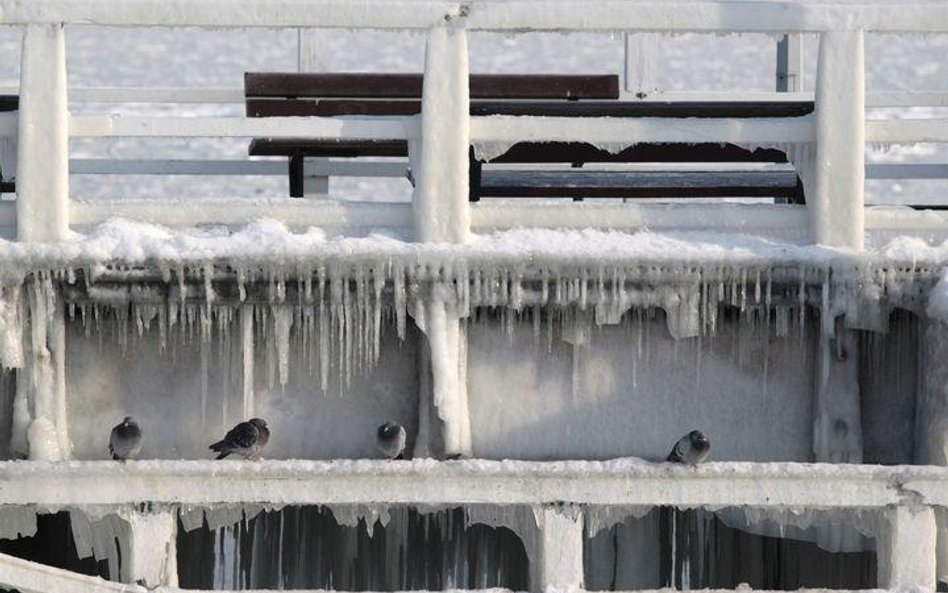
point(329, 107)
point(327, 148)
point(9, 102)
point(409, 86)
point(530, 152)
point(7, 187)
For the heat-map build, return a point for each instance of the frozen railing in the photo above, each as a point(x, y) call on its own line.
point(898, 506)
point(439, 138)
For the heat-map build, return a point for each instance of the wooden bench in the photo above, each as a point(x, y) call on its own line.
point(290, 94)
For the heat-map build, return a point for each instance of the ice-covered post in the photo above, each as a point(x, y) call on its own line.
point(906, 549)
point(558, 561)
point(837, 426)
point(42, 184)
point(931, 416)
point(152, 554)
point(836, 205)
point(442, 215)
point(440, 200)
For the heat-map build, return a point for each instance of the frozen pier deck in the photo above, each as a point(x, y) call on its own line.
point(525, 340)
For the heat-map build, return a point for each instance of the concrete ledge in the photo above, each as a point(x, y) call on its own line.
point(616, 482)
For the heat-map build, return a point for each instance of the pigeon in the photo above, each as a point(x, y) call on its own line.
point(125, 442)
point(246, 439)
point(691, 449)
point(390, 439)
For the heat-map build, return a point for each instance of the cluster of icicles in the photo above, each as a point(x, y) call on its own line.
point(335, 316)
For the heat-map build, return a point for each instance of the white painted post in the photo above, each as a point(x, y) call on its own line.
point(906, 549)
point(42, 184)
point(43, 433)
point(931, 416)
point(311, 57)
point(152, 553)
point(640, 49)
point(558, 561)
point(836, 207)
point(440, 199)
point(246, 341)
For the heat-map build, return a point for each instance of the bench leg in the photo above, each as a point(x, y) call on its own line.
point(296, 175)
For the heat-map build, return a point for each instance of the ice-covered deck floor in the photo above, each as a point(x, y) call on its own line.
point(627, 481)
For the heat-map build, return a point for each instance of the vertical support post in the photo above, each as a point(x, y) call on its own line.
point(246, 341)
point(311, 57)
point(906, 549)
point(44, 433)
point(640, 50)
point(931, 416)
point(790, 63)
point(42, 205)
point(442, 212)
point(837, 426)
point(152, 553)
point(837, 206)
point(558, 562)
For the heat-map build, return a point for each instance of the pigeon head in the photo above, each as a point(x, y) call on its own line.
point(699, 441)
point(388, 429)
point(129, 421)
point(258, 422)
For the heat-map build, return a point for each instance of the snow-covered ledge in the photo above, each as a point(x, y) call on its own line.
point(627, 481)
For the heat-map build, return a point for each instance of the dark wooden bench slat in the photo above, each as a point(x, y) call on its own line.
point(529, 152)
point(639, 184)
point(7, 187)
point(409, 86)
point(710, 109)
point(9, 102)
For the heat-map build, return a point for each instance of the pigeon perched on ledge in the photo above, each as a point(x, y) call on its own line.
point(390, 439)
point(246, 439)
point(691, 449)
point(125, 442)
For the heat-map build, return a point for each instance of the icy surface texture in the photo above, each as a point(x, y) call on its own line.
point(340, 548)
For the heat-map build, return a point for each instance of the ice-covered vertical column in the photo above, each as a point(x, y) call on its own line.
point(439, 319)
point(931, 413)
point(442, 215)
point(836, 206)
point(151, 551)
point(440, 199)
point(42, 184)
point(837, 422)
point(906, 548)
point(558, 560)
point(45, 366)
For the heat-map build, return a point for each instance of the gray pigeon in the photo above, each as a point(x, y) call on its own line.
point(246, 439)
point(125, 442)
point(691, 449)
point(390, 439)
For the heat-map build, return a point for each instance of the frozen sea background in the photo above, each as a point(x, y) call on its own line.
point(201, 58)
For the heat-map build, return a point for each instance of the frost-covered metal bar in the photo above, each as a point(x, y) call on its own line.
point(606, 130)
point(43, 137)
point(605, 15)
point(97, 126)
point(837, 200)
point(295, 212)
point(334, 168)
point(619, 482)
point(33, 577)
point(909, 131)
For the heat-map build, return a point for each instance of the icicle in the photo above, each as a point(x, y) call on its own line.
point(282, 322)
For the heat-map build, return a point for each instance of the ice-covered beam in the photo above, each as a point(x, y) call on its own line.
point(440, 200)
point(31, 577)
point(906, 549)
point(837, 203)
point(558, 561)
point(618, 482)
point(517, 15)
point(42, 182)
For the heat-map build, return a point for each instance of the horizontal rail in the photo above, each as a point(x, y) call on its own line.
point(617, 482)
point(95, 126)
point(103, 166)
point(906, 131)
point(605, 15)
point(236, 95)
point(632, 131)
point(295, 212)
